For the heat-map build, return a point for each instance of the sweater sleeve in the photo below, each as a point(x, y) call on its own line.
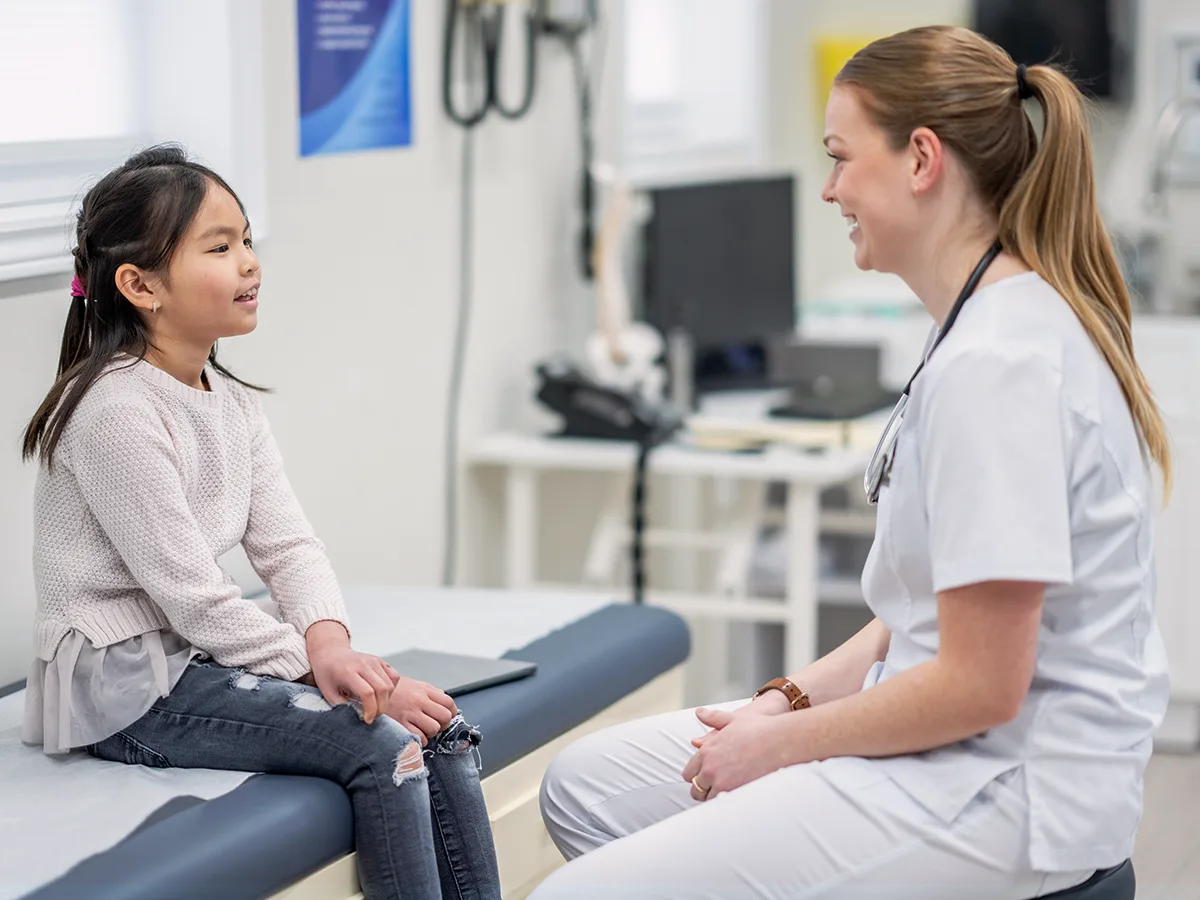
point(281, 544)
point(127, 470)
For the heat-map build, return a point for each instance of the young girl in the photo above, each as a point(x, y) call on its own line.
point(155, 461)
point(985, 736)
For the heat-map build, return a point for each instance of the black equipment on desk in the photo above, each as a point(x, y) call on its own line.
point(831, 381)
point(593, 410)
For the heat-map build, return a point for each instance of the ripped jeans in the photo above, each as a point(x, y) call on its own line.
point(420, 825)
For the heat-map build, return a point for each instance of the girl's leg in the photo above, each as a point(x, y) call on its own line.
point(223, 718)
point(462, 833)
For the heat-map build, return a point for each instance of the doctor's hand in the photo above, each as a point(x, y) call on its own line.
point(421, 708)
point(772, 703)
point(745, 749)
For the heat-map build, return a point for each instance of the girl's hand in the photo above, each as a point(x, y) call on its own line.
point(744, 750)
point(421, 708)
point(342, 673)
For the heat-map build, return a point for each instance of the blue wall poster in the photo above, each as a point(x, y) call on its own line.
point(354, 75)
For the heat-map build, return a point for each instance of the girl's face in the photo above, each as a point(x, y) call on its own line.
point(870, 182)
point(211, 291)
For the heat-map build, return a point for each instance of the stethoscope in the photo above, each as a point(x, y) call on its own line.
point(486, 29)
point(884, 456)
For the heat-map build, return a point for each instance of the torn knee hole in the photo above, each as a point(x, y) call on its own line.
point(410, 764)
point(458, 737)
point(410, 758)
point(243, 681)
point(309, 700)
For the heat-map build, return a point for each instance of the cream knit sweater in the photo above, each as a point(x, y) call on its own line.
point(152, 482)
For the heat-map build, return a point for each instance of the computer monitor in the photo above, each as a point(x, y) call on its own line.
point(719, 266)
point(1086, 37)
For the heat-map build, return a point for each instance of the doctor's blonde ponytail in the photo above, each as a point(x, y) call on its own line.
point(967, 91)
point(1052, 223)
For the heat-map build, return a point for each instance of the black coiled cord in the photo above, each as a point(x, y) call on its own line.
point(638, 545)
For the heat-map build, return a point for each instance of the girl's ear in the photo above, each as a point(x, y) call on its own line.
point(135, 286)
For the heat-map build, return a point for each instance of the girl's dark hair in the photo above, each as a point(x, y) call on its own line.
point(136, 214)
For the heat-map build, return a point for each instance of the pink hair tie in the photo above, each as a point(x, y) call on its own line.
point(77, 288)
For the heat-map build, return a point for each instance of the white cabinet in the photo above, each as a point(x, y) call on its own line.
point(1168, 350)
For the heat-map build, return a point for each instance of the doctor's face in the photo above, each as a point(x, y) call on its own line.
point(870, 183)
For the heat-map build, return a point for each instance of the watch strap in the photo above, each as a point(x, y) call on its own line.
point(797, 699)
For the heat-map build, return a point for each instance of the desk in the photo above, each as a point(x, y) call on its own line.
point(523, 457)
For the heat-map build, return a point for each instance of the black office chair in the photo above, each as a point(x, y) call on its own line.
point(1117, 883)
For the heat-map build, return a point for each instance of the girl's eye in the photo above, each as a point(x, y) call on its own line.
point(836, 159)
point(222, 249)
point(249, 242)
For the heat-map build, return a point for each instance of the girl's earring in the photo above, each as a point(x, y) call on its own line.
point(154, 309)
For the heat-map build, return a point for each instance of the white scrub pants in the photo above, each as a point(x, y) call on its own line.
point(618, 809)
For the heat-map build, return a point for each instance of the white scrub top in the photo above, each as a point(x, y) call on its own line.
point(1018, 459)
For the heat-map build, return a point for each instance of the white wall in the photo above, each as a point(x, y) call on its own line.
point(357, 318)
point(360, 291)
point(32, 329)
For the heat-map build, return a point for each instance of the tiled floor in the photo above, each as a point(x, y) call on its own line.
point(1167, 857)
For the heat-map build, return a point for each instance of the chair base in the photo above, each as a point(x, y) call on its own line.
point(1117, 883)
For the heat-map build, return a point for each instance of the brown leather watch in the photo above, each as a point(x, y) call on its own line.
point(797, 699)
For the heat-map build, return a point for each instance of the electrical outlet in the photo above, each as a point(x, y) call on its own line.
point(1188, 67)
point(1178, 79)
point(1178, 63)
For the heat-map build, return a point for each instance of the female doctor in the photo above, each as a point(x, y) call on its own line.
point(986, 735)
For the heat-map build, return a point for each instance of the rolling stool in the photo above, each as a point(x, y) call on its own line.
point(1117, 883)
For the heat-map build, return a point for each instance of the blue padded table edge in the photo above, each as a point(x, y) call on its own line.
point(233, 860)
point(576, 679)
